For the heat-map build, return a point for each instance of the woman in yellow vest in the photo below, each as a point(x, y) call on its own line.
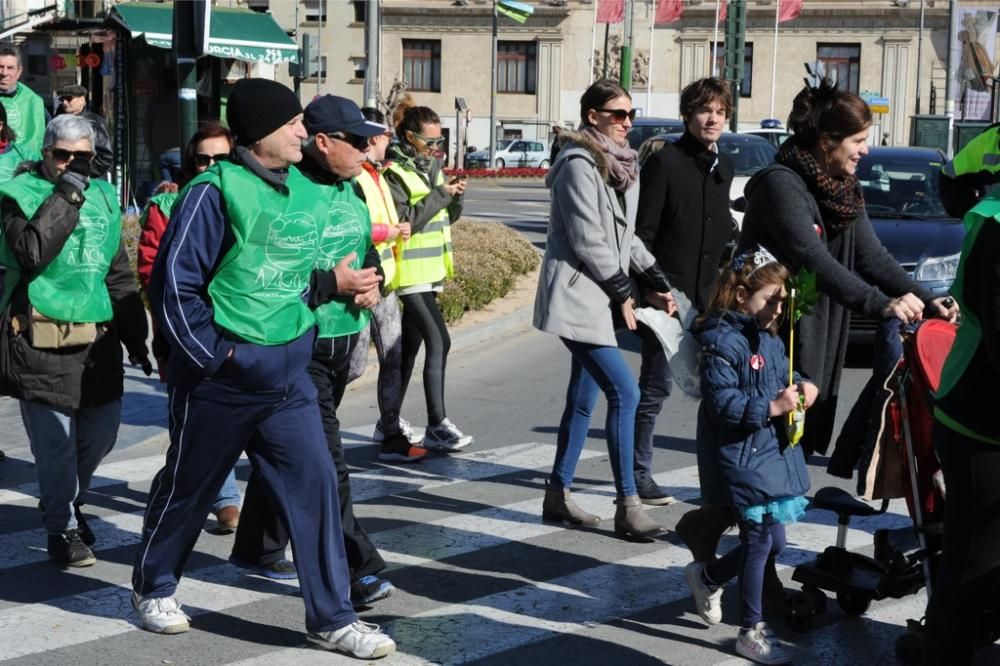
point(429, 205)
point(398, 442)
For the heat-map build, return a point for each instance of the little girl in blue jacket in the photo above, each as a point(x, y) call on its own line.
point(744, 457)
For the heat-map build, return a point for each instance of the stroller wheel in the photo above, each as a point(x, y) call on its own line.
point(853, 604)
point(802, 607)
point(909, 649)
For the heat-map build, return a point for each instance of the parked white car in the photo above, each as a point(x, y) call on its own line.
point(512, 153)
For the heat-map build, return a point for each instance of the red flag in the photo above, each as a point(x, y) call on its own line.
point(668, 11)
point(610, 11)
point(723, 7)
point(788, 10)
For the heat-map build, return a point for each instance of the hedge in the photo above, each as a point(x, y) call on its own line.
point(488, 258)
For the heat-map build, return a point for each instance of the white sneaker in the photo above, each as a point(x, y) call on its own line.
point(706, 602)
point(404, 427)
point(760, 645)
point(445, 437)
point(360, 639)
point(161, 615)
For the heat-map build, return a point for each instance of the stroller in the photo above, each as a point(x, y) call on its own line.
point(902, 464)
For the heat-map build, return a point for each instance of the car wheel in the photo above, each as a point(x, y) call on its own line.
point(544, 164)
point(500, 163)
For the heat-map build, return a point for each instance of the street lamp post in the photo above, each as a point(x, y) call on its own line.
point(493, 91)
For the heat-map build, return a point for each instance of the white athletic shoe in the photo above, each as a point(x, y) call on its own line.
point(161, 615)
point(404, 427)
point(760, 645)
point(445, 437)
point(707, 602)
point(360, 639)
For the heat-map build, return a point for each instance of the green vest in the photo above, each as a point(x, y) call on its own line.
point(71, 288)
point(426, 257)
point(348, 229)
point(257, 290)
point(164, 201)
point(15, 155)
point(382, 210)
point(970, 332)
point(26, 116)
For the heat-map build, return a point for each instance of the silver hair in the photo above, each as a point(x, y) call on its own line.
point(70, 128)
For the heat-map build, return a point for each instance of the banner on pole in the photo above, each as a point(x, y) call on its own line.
point(668, 11)
point(610, 11)
point(789, 10)
point(517, 11)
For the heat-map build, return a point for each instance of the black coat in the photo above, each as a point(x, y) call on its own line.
point(67, 378)
point(684, 216)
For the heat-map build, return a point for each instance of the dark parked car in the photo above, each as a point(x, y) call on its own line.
point(903, 201)
point(643, 128)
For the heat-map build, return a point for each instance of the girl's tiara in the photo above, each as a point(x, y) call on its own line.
point(759, 256)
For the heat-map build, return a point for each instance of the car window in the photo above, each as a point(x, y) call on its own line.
point(503, 145)
point(517, 147)
point(537, 147)
point(900, 186)
point(748, 157)
point(640, 133)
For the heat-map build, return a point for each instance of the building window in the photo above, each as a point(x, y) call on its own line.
point(315, 10)
point(259, 6)
point(360, 66)
point(845, 59)
point(360, 9)
point(516, 67)
point(746, 83)
point(422, 64)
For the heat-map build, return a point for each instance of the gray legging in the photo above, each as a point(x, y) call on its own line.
point(386, 328)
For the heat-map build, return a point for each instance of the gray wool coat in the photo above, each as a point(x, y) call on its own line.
point(589, 240)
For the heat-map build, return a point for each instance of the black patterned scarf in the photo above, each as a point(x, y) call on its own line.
point(840, 199)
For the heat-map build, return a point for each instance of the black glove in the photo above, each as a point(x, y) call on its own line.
point(654, 278)
point(618, 287)
point(74, 180)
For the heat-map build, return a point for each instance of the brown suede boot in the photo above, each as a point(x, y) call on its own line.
point(701, 529)
point(558, 507)
point(631, 519)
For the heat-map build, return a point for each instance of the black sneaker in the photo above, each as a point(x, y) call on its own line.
point(650, 493)
point(68, 549)
point(86, 534)
point(369, 589)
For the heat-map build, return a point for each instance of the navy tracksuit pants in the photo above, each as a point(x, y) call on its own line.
point(211, 423)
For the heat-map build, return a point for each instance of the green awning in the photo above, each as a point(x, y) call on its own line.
point(235, 33)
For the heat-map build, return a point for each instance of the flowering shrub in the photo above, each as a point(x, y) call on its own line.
point(506, 172)
point(488, 258)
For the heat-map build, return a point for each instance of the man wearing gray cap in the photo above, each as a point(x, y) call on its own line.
point(229, 290)
point(73, 100)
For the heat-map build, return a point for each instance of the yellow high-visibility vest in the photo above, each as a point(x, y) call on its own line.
point(382, 211)
point(426, 257)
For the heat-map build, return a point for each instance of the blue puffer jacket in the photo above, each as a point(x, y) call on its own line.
point(744, 458)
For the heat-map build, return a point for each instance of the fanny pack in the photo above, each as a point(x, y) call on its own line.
point(47, 333)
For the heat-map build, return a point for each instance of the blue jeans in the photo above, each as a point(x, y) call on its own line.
point(170, 165)
point(68, 445)
point(595, 368)
point(229, 494)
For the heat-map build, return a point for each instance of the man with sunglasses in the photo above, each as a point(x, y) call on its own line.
point(73, 100)
point(684, 221)
point(333, 156)
point(69, 303)
point(232, 287)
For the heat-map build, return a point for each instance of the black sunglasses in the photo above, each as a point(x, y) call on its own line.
point(63, 155)
point(204, 160)
point(619, 115)
point(355, 141)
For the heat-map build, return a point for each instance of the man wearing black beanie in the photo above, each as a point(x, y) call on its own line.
point(228, 290)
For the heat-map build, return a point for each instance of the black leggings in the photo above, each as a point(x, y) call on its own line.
point(424, 325)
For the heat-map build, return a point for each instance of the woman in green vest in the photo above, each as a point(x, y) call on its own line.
point(210, 144)
point(430, 205)
point(69, 302)
point(967, 432)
